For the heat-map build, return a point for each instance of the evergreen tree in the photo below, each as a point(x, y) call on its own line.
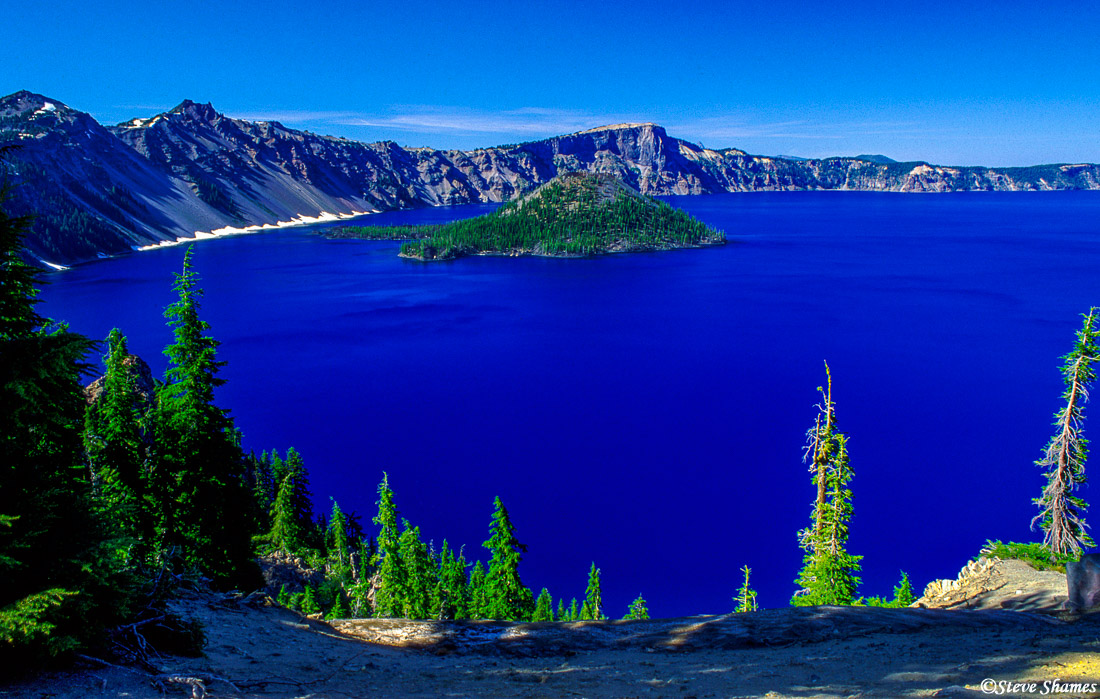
point(544, 607)
point(339, 609)
point(389, 600)
point(746, 596)
point(57, 564)
point(506, 596)
point(574, 614)
point(638, 610)
point(264, 490)
point(829, 573)
point(478, 601)
point(283, 598)
point(293, 514)
point(199, 465)
point(593, 597)
point(451, 599)
point(308, 603)
point(420, 574)
point(561, 610)
point(1062, 514)
point(903, 593)
point(114, 445)
point(336, 541)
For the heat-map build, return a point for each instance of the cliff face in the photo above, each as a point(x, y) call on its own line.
point(97, 190)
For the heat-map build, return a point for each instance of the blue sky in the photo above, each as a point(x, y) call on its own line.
point(993, 83)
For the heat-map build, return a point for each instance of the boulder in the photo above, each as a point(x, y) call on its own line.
point(1083, 582)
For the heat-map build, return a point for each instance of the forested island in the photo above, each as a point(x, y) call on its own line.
point(573, 215)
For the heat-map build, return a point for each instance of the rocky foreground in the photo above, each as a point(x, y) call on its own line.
point(1012, 632)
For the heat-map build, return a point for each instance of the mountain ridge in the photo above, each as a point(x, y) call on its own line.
point(103, 190)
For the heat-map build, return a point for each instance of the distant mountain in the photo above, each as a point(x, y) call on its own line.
point(104, 190)
point(882, 159)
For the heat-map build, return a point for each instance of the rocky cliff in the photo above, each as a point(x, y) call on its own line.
point(99, 190)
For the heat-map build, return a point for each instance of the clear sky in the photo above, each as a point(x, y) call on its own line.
point(990, 83)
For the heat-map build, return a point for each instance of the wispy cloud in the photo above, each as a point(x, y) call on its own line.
point(443, 119)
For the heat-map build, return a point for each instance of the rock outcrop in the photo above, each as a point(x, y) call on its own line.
point(99, 190)
point(992, 583)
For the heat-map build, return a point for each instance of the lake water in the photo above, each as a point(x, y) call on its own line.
point(648, 411)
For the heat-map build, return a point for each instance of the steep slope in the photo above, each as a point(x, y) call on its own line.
point(90, 192)
point(101, 190)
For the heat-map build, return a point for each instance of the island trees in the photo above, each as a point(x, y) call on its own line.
point(829, 574)
point(1062, 513)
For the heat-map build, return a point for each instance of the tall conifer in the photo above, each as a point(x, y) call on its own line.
point(200, 471)
point(1062, 513)
point(593, 596)
point(829, 573)
point(506, 595)
point(53, 550)
point(420, 574)
point(389, 599)
point(114, 444)
point(544, 607)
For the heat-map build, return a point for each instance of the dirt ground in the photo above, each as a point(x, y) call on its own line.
point(256, 650)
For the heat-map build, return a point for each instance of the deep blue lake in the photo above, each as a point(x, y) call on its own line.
point(648, 411)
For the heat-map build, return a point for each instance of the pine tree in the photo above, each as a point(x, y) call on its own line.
point(1062, 514)
point(336, 541)
point(114, 444)
point(638, 610)
point(478, 601)
point(308, 603)
point(903, 593)
point(292, 525)
point(746, 596)
point(389, 600)
point(593, 597)
point(506, 596)
point(561, 610)
point(339, 609)
point(199, 465)
point(420, 574)
point(829, 573)
point(451, 597)
point(544, 607)
point(574, 614)
point(57, 564)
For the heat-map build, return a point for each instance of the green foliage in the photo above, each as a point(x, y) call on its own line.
point(506, 596)
point(389, 601)
point(903, 593)
point(478, 600)
point(746, 596)
point(638, 610)
point(576, 214)
point(829, 573)
point(308, 603)
point(1062, 513)
point(420, 574)
point(205, 502)
point(283, 598)
point(292, 526)
point(561, 616)
point(339, 609)
point(452, 593)
point(30, 622)
point(544, 607)
point(113, 441)
point(573, 613)
point(61, 571)
point(593, 596)
point(1037, 556)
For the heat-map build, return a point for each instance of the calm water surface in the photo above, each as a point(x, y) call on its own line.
point(647, 411)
